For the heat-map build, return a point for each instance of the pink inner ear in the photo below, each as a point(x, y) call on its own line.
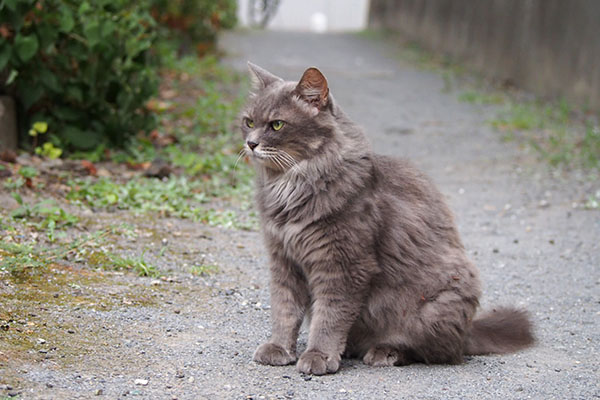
point(313, 87)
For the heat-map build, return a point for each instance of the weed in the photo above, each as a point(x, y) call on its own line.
point(28, 172)
point(111, 261)
point(13, 184)
point(479, 97)
point(204, 269)
point(45, 214)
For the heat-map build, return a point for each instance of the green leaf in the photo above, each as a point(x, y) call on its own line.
point(12, 76)
point(108, 27)
point(84, 7)
point(26, 46)
point(66, 21)
point(49, 80)
point(80, 139)
point(92, 33)
point(30, 93)
point(17, 198)
point(40, 127)
point(12, 4)
point(74, 92)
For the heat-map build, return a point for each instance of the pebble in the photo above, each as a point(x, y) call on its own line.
point(141, 382)
point(191, 379)
point(99, 392)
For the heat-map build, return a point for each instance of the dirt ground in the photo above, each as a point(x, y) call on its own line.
point(83, 333)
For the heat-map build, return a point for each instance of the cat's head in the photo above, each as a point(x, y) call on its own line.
point(285, 123)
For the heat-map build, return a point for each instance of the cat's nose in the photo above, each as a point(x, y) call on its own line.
point(251, 144)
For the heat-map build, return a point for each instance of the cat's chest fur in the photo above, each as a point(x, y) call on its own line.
point(291, 210)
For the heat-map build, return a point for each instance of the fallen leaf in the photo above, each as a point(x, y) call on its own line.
point(89, 167)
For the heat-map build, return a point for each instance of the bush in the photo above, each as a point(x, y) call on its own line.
point(84, 67)
point(195, 22)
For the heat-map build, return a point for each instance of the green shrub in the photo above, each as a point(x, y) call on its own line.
point(196, 22)
point(84, 67)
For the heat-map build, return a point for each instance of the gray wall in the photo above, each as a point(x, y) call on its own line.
point(550, 47)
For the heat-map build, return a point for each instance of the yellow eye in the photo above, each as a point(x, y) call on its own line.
point(277, 125)
point(249, 123)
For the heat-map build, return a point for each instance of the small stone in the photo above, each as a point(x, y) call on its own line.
point(496, 251)
point(55, 295)
point(49, 385)
point(141, 382)
point(43, 351)
point(307, 377)
point(99, 392)
point(41, 341)
point(155, 282)
point(191, 379)
point(180, 375)
point(71, 331)
point(557, 369)
point(177, 311)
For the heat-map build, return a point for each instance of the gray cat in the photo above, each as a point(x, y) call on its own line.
point(360, 244)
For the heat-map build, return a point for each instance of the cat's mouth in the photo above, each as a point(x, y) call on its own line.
point(272, 158)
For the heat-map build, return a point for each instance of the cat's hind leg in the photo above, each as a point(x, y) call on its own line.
point(384, 355)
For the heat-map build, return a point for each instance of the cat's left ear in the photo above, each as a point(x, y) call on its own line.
point(313, 88)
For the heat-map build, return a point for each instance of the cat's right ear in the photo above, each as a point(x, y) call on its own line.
point(261, 78)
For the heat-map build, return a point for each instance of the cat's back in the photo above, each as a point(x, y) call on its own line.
point(409, 200)
point(400, 177)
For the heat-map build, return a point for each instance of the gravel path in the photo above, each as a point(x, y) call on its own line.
point(194, 337)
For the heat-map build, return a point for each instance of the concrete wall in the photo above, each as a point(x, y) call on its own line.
point(298, 15)
point(550, 47)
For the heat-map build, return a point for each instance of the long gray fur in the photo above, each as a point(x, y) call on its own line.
point(360, 244)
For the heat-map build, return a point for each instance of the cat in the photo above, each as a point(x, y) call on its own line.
point(361, 245)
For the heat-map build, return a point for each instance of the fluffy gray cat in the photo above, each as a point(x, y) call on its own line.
point(361, 245)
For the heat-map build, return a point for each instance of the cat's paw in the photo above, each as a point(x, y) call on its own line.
point(318, 363)
point(273, 354)
point(384, 356)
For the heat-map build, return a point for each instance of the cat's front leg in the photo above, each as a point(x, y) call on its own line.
point(337, 300)
point(289, 300)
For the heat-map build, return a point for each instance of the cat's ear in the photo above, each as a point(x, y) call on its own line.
point(261, 78)
point(313, 88)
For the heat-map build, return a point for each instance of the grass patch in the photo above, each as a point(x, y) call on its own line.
point(111, 261)
point(560, 135)
point(204, 269)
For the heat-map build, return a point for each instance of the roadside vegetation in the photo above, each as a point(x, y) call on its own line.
point(563, 135)
point(125, 108)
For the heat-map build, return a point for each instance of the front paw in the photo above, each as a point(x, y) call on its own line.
point(318, 363)
point(273, 354)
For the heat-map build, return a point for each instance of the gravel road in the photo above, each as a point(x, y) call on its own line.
point(193, 338)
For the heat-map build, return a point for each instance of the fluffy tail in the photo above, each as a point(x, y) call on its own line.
point(502, 330)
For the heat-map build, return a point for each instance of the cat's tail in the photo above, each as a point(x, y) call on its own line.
point(502, 330)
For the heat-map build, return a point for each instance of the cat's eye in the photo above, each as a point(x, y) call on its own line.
point(249, 123)
point(277, 125)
